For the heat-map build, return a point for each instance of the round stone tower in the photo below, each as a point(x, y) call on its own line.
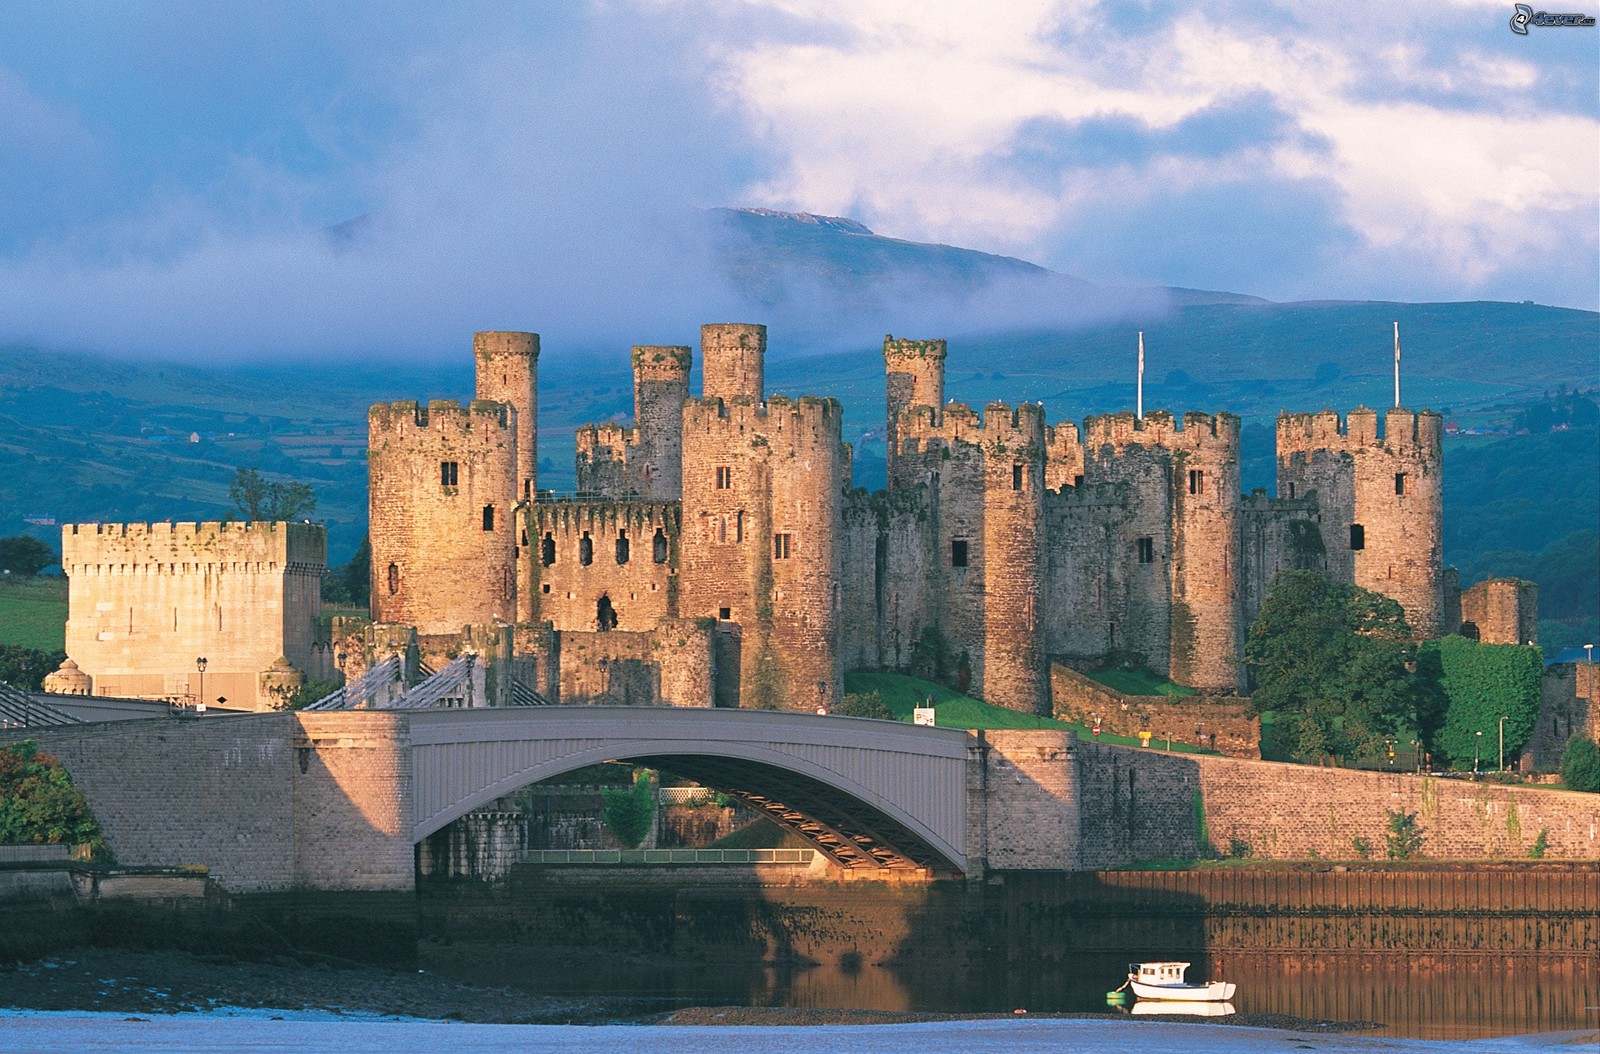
point(1013, 672)
point(508, 372)
point(733, 359)
point(915, 371)
point(660, 388)
point(443, 487)
point(1205, 543)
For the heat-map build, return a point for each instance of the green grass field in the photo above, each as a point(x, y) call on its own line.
point(903, 694)
point(33, 612)
point(1138, 682)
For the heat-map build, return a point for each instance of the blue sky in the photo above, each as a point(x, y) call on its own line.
point(170, 170)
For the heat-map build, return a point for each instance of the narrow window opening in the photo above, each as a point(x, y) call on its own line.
point(780, 546)
point(724, 614)
point(488, 517)
point(1147, 550)
point(1077, 481)
point(1291, 490)
point(1197, 481)
point(605, 616)
point(1358, 536)
point(958, 552)
point(448, 473)
point(738, 526)
point(622, 548)
point(1399, 482)
point(585, 550)
point(722, 528)
point(547, 549)
point(394, 579)
point(724, 477)
point(545, 588)
point(658, 546)
point(1016, 477)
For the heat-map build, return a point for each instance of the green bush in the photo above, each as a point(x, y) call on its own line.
point(1362, 846)
point(38, 802)
point(1403, 841)
point(630, 812)
point(1580, 764)
point(864, 704)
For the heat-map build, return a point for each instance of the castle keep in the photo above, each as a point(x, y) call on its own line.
point(716, 553)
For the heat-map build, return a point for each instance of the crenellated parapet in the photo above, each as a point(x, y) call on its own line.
point(602, 565)
point(1403, 431)
point(1217, 434)
point(182, 548)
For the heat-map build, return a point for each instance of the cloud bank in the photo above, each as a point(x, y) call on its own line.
point(179, 178)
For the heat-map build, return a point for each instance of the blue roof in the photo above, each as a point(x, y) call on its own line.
point(1568, 655)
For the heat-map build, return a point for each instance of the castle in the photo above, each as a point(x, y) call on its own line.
point(717, 554)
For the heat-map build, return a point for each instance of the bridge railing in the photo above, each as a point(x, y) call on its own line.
point(680, 857)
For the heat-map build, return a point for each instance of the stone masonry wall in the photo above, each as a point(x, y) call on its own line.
point(611, 556)
point(145, 600)
point(352, 801)
point(508, 372)
point(443, 493)
point(266, 802)
point(1569, 705)
point(1217, 722)
point(1501, 611)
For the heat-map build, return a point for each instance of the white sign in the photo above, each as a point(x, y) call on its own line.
point(923, 715)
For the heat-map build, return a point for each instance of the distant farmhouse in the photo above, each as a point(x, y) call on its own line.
point(716, 554)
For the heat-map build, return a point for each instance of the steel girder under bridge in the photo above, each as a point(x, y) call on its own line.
point(870, 794)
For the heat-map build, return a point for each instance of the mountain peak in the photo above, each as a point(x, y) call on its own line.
point(833, 223)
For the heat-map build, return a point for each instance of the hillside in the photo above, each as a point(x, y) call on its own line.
point(91, 438)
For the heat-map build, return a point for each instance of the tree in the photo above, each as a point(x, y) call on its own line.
point(1332, 663)
point(260, 499)
point(23, 554)
point(38, 802)
point(630, 812)
point(26, 668)
point(1480, 684)
point(864, 704)
point(1580, 764)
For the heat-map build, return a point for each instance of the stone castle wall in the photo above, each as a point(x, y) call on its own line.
point(1055, 802)
point(266, 802)
point(1380, 499)
point(1501, 611)
point(1215, 722)
point(146, 600)
point(759, 547)
point(443, 493)
point(1569, 705)
point(606, 561)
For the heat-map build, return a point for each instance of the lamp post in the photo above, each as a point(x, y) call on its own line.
point(1502, 743)
point(1588, 650)
point(1477, 749)
point(200, 664)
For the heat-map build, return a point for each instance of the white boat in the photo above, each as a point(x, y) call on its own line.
point(1164, 1008)
point(1165, 981)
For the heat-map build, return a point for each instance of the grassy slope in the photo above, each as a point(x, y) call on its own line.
point(33, 612)
point(1138, 682)
point(954, 710)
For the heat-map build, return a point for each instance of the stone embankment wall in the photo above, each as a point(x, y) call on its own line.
point(1050, 801)
point(1217, 722)
point(266, 802)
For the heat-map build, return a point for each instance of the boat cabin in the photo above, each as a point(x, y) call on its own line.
point(1157, 973)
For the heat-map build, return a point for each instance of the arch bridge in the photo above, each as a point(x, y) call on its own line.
point(869, 794)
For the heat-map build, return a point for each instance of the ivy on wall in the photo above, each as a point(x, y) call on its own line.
point(1480, 684)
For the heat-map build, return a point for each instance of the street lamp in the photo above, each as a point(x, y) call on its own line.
point(1502, 743)
point(1589, 650)
point(200, 664)
point(1477, 747)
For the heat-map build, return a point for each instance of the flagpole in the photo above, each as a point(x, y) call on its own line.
point(1138, 412)
point(1397, 365)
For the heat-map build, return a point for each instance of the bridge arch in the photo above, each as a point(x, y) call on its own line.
point(867, 793)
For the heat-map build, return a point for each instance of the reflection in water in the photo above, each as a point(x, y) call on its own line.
point(1160, 1008)
point(1434, 997)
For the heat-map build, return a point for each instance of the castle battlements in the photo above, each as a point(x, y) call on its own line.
point(1421, 432)
point(606, 517)
point(441, 415)
point(809, 415)
point(662, 361)
point(172, 548)
point(1195, 431)
point(1000, 426)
